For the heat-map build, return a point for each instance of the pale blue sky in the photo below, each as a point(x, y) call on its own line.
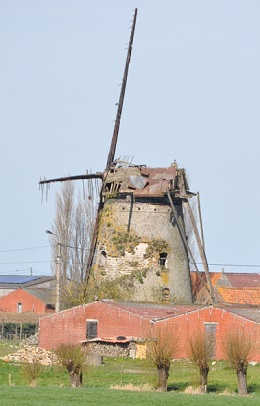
point(193, 95)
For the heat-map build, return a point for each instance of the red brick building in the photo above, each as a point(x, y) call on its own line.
point(107, 320)
point(28, 300)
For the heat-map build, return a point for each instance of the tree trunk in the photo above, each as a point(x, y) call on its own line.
point(75, 379)
point(163, 374)
point(204, 370)
point(242, 382)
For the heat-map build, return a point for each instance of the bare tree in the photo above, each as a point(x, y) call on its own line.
point(62, 228)
point(82, 234)
point(200, 349)
point(161, 349)
point(73, 226)
point(237, 347)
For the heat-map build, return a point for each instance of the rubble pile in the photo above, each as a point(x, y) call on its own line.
point(31, 340)
point(29, 354)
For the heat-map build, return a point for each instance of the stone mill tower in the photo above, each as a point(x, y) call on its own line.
point(139, 240)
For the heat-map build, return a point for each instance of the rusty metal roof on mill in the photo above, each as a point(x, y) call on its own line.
point(144, 181)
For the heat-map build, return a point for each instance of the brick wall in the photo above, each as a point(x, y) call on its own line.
point(187, 325)
point(9, 303)
point(70, 326)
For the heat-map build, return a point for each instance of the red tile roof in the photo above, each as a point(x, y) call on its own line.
point(235, 281)
point(195, 278)
point(199, 290)
point(250, 296)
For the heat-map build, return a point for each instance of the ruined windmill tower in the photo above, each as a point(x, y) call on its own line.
point(139, 240)
point(139, 236)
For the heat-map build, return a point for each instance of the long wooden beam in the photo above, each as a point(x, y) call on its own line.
point(200, 217)
point(183, 237)
point(98, 175)
point(112, 150)
point(200, 247)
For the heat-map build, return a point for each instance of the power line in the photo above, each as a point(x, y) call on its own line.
point(238, 265)
point(229, 265)
point(197, 263)
point(43, 246)
point(25, 249)
point(23, 262)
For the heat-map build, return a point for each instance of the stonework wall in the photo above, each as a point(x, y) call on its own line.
point(147, 221)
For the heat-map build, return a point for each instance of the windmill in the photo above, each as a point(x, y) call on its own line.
point(139, 234)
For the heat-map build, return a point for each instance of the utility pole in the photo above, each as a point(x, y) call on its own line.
point(58, 259)
point(57, 305)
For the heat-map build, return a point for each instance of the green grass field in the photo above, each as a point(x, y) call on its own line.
point(51, 396)
point(53, 385)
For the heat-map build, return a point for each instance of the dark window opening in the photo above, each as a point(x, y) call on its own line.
point(163, 259)
point(19, 307)
point(103, 258)
point(91, 329)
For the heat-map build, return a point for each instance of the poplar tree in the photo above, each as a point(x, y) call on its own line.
point(73, 227)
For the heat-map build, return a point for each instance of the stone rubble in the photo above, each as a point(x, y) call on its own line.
point(31, 340)
point(30, 354)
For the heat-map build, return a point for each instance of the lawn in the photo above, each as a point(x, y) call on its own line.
point(53, 385)
point(24, 396)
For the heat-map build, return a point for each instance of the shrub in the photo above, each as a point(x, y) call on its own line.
point(199, 355)
point(31, 372)
point(162, 347)
point(237, 347)
point(73, 358)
